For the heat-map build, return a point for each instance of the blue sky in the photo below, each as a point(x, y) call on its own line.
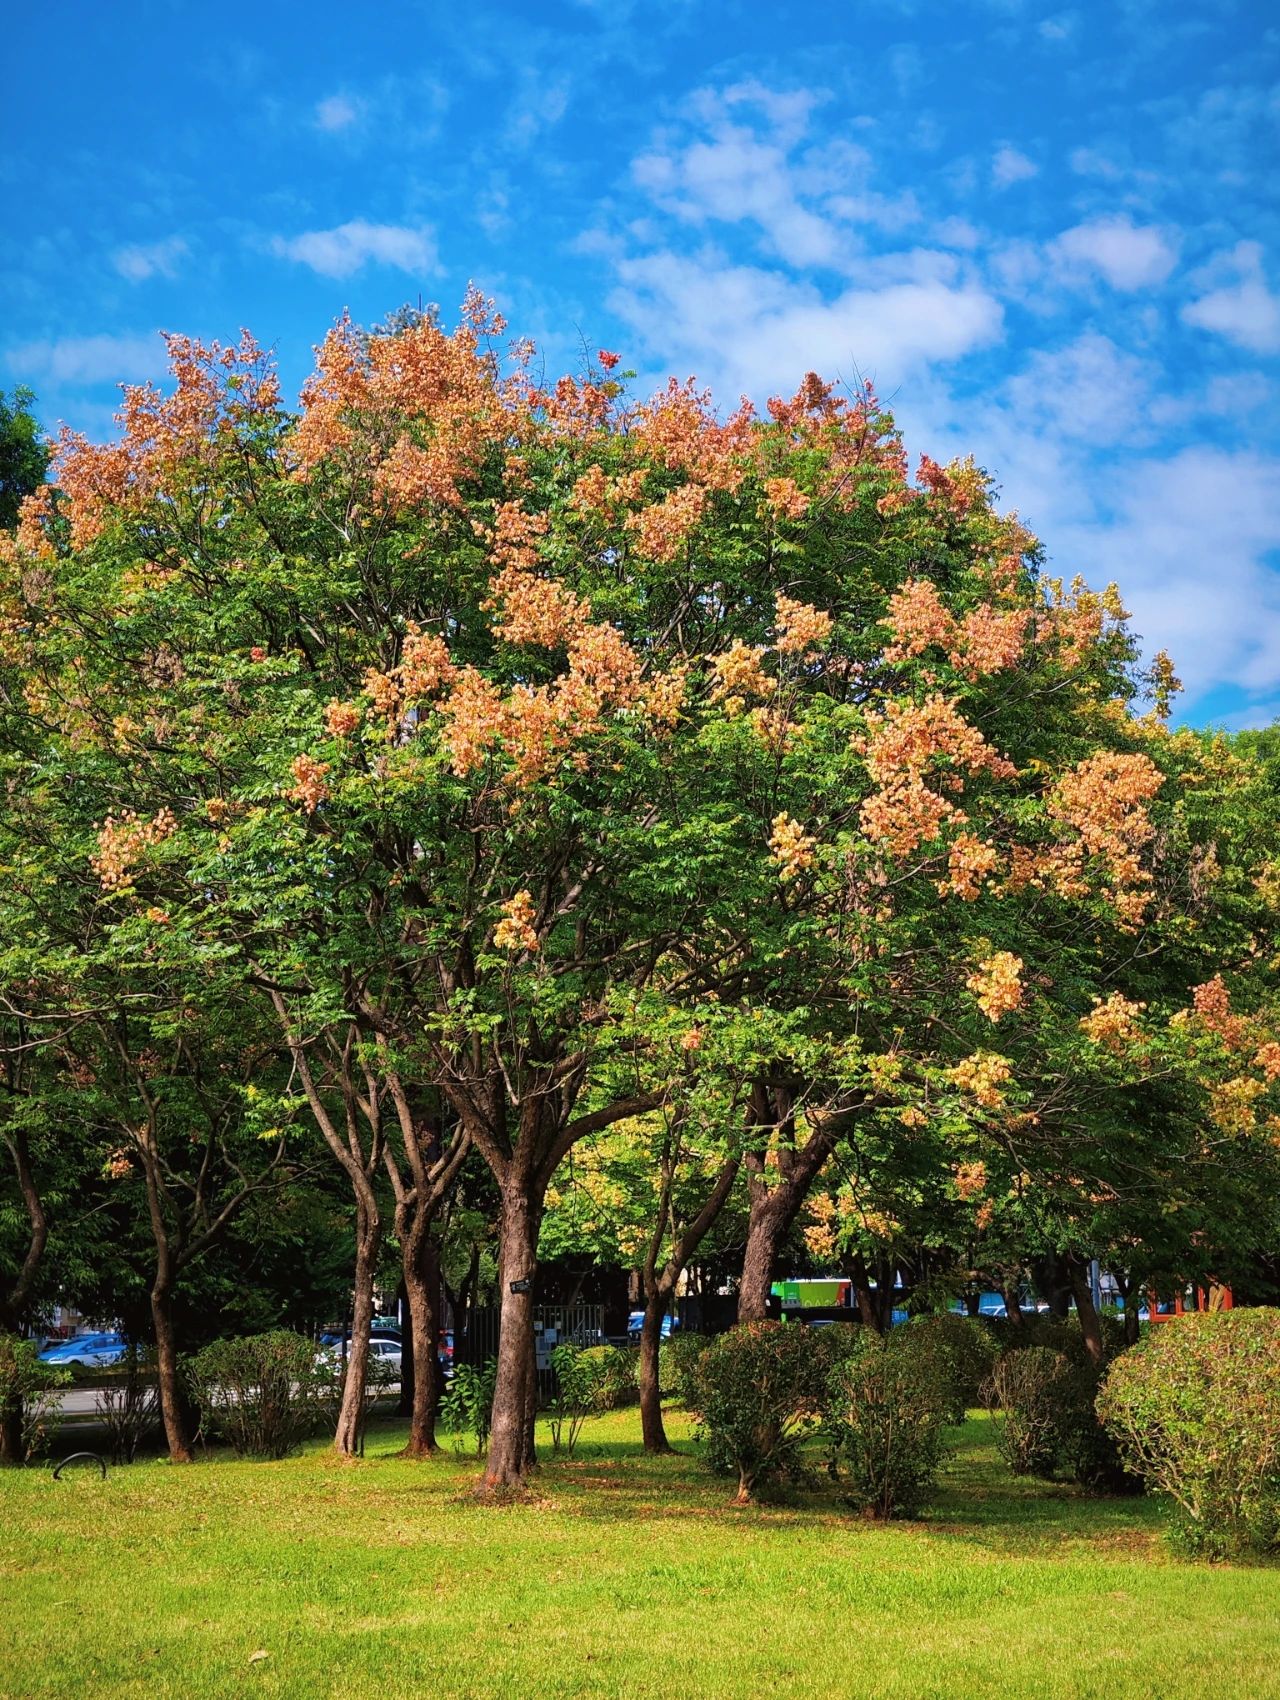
point(1050, 233)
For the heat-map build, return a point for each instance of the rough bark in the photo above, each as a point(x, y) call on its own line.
point(515, 1395)
point(172, 1406)
point(775, 1195)
point(421, 1259)
point(1090, 1326)
point(349, 1434)
point(15, 1299)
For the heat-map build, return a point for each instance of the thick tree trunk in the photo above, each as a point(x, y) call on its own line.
point(1013, 1306)
point(865, 1295)
point(14, 1303)
point(1090, 1326)
point(515, 1395)
point(422, 1290)
point(11, 1432)
point(172, 1406)
point(770, 1217)
point(349, 1436)
point(775, 1202)
point(652, 1430)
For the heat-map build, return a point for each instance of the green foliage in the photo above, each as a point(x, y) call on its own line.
point(1023, 1396)
point(29, 1404)
point(678, 1359)
point(259, 1394)
point(886, 1403)
point(966, 1354)
point(1196, 1411)
point(128, 1406)
point(24, 454)
point(467, 1406)
point(588, 1382)
point(757, 1392)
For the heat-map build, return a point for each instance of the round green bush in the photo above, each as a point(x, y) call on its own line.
point(965, 1353)
point(757, 1391)
point(1023, 1395)
point(677, 1363)
point(886, 1404)
point(260, 1394)
point(1195, 1410)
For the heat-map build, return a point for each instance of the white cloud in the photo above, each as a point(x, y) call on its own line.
point(336, 112)
point(91, 359)
point(1129, 256)
point(347, 247)
point(1245, 311)
point(142, 260)
point(1009, 167)
point(752, 331)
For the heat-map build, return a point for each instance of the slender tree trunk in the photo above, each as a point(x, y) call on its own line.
point(1013, 1306)
point(408, 1377)
point(515, 1395)
point(868, 1310)
point(172, 1405)
point(422, 1287)
point(14, 1303)
point(349, 1436)
point(652, 1430)
point(775, 1204)
point(1129, 1293)
point(1090, 1326)
point(11, 1431)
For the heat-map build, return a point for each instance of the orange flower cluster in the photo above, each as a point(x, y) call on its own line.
point(123, 842)
point(791, 847)
point(970, 861)
point(983, 1076)
point(984, 641)
point(737, 674)
point(1076, 616)
point(341, 718)
point(800, 627)
point(1113, 1023)
point(515, 931)
point(996, 984)
point(957, 486)
point(663, 529)
point(1104, 799)
point(899, 746)
point(422, 672)
point(309, 786)
point(1231, 1104)
point(536, 610)
point(679, 429)
point(1268, 1060)
point(786, 498)
point(970, 1179)
point(1212, 1003)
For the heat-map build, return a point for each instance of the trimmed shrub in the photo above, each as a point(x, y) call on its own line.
point(1196, 1412)
point(677, 1365)
point(259, 1394)
point(129, 1406)
point(757, 1391)
point(467, 1407)
point(1023, 1396)
point(887, 1402)
point(965, 1354)
point(29, 1405)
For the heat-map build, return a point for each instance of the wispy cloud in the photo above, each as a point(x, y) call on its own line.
point(1127, 255)
point(90, 359)
point(336, 112)
point(142, 260)
point(1010, 167)
point(342, 251)
point(1245, 311)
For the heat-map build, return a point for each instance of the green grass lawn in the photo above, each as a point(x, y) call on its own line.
point(628, 1576)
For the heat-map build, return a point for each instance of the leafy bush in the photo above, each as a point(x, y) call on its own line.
point(1042, 1404)
point(467, 1407)
point(1196, 1412)
point(588, 1381)
point(260, 1394)
point(887, 1402)
point(677, 1365)
point(965, 1354)
point(29, 1405)
point(1023, 1396)
point(128, 1406)
point(757, 1392)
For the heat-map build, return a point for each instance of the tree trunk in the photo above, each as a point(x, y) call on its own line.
point(408, 1379)
point(422, 1288)
point(14, 1303)
point(868, 1309)
point(1013, 1306)
point(172, 1407)
point(1129, 1292)
point(768, 1221)
point(1090, 1327)
point(11, 1432)
point(515, 1394)
point(652, 1431)
point(349, 1436)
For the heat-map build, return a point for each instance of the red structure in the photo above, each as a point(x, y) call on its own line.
point(1188, 1302)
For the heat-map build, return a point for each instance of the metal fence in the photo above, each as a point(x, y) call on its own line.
point(553, 1325)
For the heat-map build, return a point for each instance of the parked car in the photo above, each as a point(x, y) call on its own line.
point(334, 1340)
point(635, 1323)
point(444, 1350)
point(87, 1351)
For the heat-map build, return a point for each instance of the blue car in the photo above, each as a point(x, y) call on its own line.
point(636, 1321)
point(88, 1351)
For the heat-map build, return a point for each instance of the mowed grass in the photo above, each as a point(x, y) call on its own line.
point(626, 1576)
